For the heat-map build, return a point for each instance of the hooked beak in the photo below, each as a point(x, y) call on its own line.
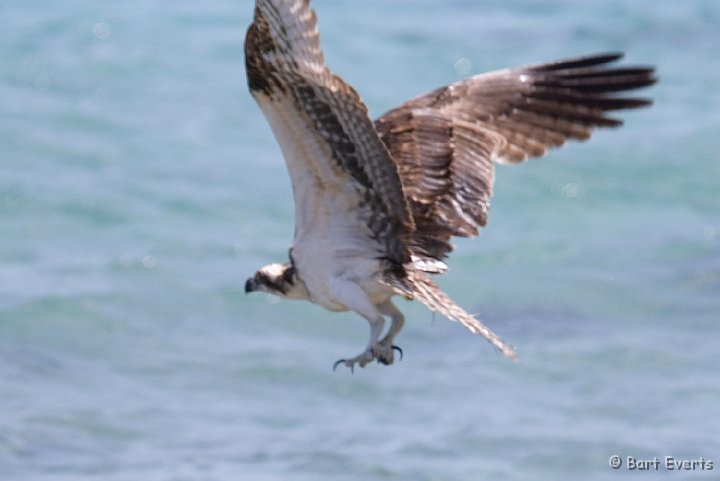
point(249, 286)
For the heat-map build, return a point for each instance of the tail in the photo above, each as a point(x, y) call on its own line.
point(427, 292)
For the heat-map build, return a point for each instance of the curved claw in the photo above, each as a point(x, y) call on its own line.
point(342, 361)
point(400, 351)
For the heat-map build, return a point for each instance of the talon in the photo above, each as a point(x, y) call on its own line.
point(344, 361)
point(400, 351)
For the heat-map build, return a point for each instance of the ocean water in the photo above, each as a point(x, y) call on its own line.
point(140, 186)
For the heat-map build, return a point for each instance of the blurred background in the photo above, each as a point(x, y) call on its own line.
point(140, 186)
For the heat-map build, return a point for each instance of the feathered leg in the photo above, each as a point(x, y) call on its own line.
point(383, 350)
point(398, 321)
point(357, 300)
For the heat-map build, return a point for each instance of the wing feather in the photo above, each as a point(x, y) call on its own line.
point(329, 142)
point(445, 141)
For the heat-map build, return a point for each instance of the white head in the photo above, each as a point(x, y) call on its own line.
point(278, 279)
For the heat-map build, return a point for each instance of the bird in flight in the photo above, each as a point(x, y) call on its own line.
point(377, 202)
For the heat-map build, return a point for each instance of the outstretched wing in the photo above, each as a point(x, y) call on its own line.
point(342, 174)
point(445, 142)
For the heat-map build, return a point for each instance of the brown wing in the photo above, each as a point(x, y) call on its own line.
point(445, 142)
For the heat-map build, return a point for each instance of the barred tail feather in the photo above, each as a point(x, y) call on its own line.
point(427, 292)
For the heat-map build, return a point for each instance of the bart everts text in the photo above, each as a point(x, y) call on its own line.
point(666, 463)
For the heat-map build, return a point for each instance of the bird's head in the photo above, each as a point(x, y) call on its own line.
point(278, 279)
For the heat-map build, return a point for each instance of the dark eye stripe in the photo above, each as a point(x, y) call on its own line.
point(277, 287)
point(289, 275)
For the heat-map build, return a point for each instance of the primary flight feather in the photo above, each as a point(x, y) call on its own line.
point(376, 203)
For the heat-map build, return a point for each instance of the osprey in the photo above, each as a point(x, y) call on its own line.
point(376, 203)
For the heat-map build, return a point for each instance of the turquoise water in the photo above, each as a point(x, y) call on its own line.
point(140, 186)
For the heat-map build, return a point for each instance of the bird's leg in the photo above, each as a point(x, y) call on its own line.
point(398, 321)
point(371, 353)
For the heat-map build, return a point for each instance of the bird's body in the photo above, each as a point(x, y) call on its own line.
point(377, 202)
point(326, 213)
